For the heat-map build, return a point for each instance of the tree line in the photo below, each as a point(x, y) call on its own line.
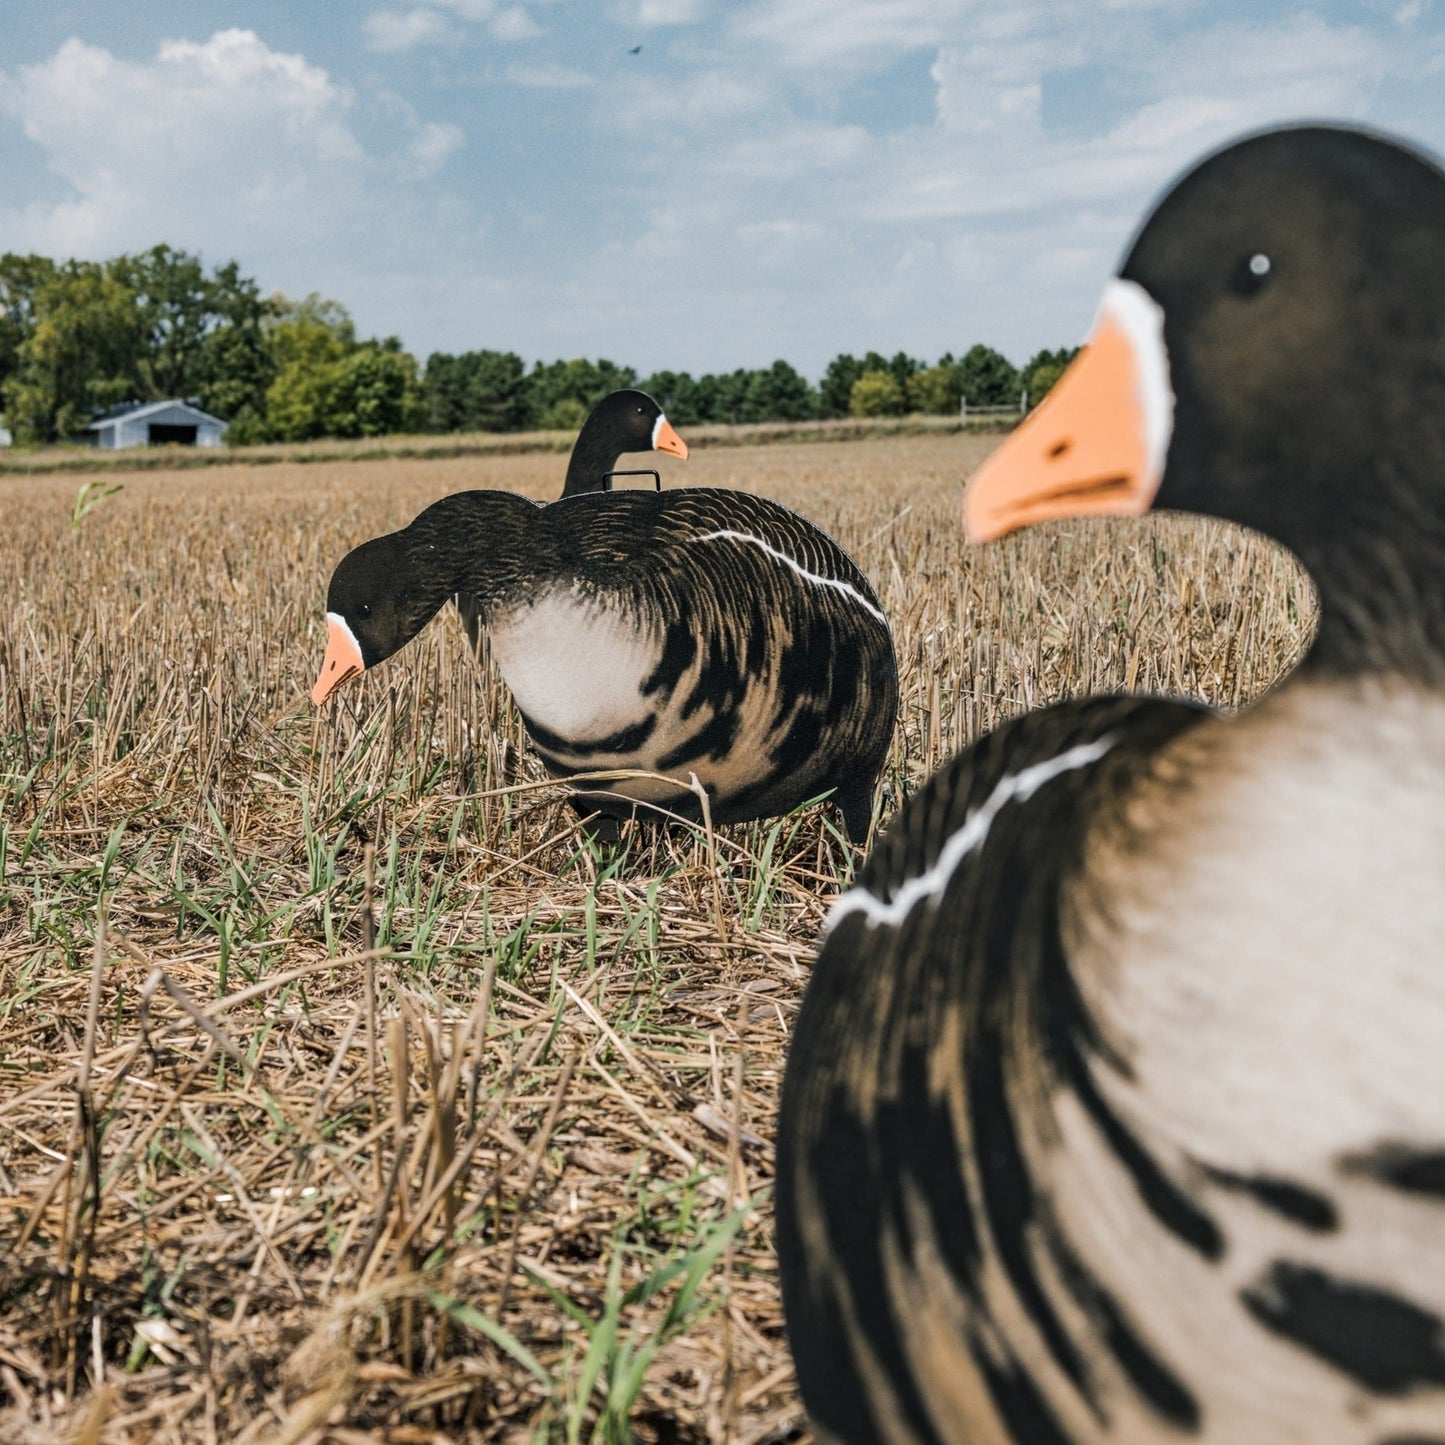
point(79, 338)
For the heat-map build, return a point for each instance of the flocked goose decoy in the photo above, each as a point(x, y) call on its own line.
point(1115, 1110)
point(698, 631)
point(623, 421)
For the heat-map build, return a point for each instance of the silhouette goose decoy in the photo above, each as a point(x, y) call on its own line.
point(698, 631)
point(1114, 1107)
point(623, 421)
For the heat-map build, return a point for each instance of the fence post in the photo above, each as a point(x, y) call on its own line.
point(963, 409)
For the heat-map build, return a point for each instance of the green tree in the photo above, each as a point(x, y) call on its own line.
point(173, 305)
point(307, 340)
point(81, 354)
point(1044, 369)
point(374, 392)
point(565, 414)
point(238, 363)
point(936, 389)
point(903, 368)
point(204, 335)
point(327, 384)
point(20, 277)
point(680, 397)
point(585, 382)
point(877, 393)
point(477, 391)
point(987, 378)
point(777, 393)
point(836, 388)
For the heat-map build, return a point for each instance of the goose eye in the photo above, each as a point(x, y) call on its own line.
point(1252, 273)
point(364, 610)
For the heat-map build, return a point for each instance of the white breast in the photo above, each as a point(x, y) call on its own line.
point(1274, 964)
point(1261, 944)
point(575, 667)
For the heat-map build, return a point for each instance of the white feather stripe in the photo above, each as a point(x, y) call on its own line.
point(838, 586)
point(967, 839)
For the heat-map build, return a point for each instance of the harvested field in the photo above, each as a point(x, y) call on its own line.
point(346, 1091)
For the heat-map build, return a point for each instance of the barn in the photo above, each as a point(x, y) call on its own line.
point(157, 423)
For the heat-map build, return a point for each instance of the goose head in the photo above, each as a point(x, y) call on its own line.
point(377, 602)
point(637, 423)
point(1272, 352)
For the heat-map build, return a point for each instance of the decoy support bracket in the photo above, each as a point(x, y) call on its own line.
point(643, 472)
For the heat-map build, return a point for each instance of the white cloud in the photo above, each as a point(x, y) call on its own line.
point(547, 76)
point(829, 35)
point(1000, 218)
point(225, 147)
point(431, 24)
point(207, 144)
point(434, 143)
point(781, 177)
point(472, 10)
point(651, 14)
point(393, 30)
point(513, 24)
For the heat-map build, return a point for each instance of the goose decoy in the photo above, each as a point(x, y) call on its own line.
point(698, 631)
point(623, 421)
point(1115, 1109)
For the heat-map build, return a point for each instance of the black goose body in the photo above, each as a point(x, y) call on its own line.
point(622, 422)
point(697, 631)
point(1113, 1110)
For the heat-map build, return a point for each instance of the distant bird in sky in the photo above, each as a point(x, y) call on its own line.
point(635, 50)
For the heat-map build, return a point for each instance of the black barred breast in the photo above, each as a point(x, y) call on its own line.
point(1086, 1138)
point(697, 637)
point(705, 634)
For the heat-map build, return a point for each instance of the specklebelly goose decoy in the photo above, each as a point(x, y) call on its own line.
point(697, 631)
point(1115, 1109)
point(623, 421)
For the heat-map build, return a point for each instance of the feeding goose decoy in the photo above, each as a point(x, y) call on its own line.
point(697, 631)
point(623, 421)
point(1114, 1107)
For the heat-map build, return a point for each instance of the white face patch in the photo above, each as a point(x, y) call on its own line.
point(1135, 312)
point(336, 620)
point(657, 426)
point(970, 837)
point(846, 588)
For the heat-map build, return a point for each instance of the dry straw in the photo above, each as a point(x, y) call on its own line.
point(346, 1091)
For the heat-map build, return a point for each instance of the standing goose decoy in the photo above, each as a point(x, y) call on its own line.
point(623, 421)
point(696, 631)
point(1115, 1109)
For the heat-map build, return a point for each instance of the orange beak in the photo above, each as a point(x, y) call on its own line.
point(1095, 447)
point(664, 439)
point(342, 660)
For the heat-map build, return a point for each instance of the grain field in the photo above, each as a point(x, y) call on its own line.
point(346, 1090)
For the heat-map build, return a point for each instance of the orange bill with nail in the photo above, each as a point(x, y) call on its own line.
point(342, 661)
point(665, 439)
point(1095, 445)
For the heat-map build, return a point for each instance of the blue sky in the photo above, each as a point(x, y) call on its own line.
point(764, 178)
